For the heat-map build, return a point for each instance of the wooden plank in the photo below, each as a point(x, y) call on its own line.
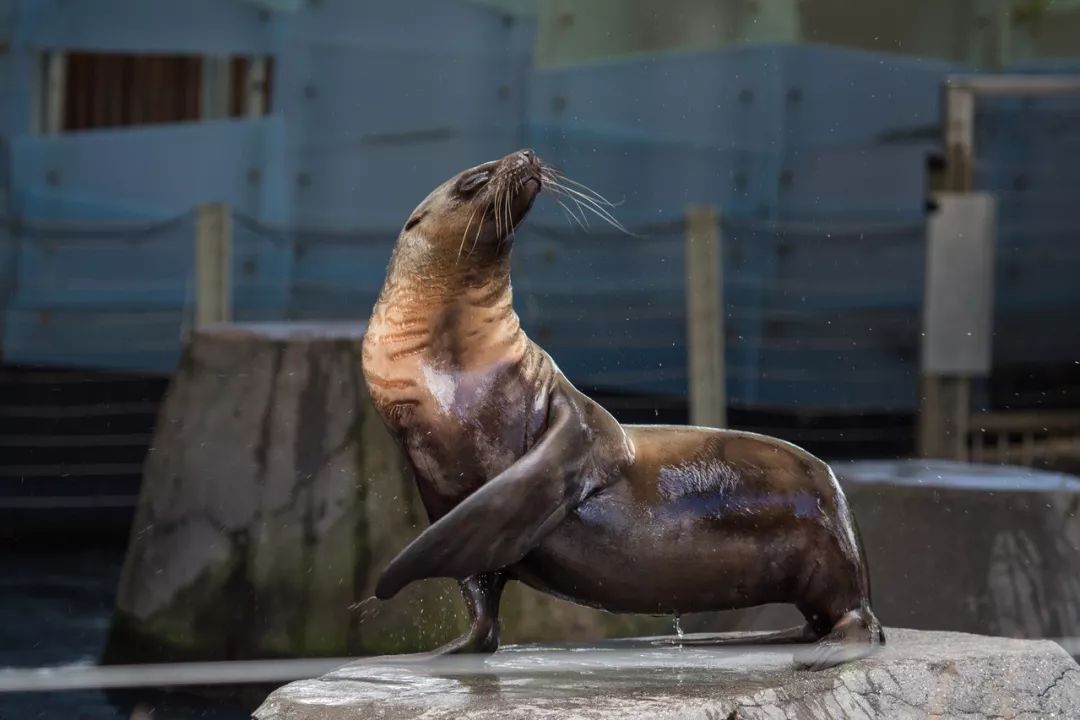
point(213, 265)
point(1019, 421)
point(1027, 454)
point(71, 441)
point(1015, 84)
point(55, 412)
point(71, 470)
point(705, 318)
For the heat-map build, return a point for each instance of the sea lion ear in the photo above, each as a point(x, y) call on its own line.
point(501, 522)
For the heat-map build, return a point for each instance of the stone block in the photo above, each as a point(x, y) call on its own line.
point(917, 675)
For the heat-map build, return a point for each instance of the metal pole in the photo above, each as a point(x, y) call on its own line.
point(96, 677)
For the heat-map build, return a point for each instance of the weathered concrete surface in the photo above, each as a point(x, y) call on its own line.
point(918, 675)
point(272, 497)
point(976, 548)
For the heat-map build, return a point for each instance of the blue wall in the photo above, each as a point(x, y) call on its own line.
point(370, 110)
point(815, 155)
point(824, 210)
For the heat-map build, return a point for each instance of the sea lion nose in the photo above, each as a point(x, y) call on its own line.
point(528, 157)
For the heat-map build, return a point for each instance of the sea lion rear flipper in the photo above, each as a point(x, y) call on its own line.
point(507, 517)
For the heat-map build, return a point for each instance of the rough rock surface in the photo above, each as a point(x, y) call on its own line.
point(919, 674)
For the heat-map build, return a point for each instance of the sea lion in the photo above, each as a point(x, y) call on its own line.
point(524, 477)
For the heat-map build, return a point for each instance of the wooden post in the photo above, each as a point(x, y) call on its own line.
point(213, 265)
point(944, 417)
point(946, 392)
point(51, 108)
point(945, 397)
point(705, 318)
point(776, 21)
point(216, 87)
point(959, 138)
point(255, 88)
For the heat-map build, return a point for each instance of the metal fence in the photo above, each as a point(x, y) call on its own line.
point(816, 315)
point(820, 316)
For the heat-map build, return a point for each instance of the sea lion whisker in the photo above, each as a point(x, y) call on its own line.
point(511, 193)
point(506, 188)
point(584, 218)
point(496, 213)
point(588, 191)
point(476, 238)
point(507, 198)
point(467, 226)
point(550, 170)
point(548, 181)
point(504, 207)
point(582, 203)
point(600, 212)
point(556, 193)
point(567, 212)
point(595, 195)
point(586, 199)
point(562, 190)
point(581, 186)
point(590, 197)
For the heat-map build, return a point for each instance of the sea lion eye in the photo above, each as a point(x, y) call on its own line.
point(474, 181)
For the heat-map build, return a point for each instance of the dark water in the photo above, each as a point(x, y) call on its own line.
point(55, 606)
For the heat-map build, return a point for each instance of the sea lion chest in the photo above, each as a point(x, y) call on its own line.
point(459, 419)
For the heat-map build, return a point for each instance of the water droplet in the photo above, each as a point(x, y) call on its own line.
point(362, 603)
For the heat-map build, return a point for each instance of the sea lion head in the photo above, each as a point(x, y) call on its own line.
point(474, 213)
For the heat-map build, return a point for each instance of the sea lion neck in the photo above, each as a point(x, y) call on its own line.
point(436, 274)
point(455, 314)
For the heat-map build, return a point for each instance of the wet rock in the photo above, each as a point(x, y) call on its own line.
point(918, 675)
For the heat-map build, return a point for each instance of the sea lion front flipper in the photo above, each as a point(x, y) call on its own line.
point(507, 517)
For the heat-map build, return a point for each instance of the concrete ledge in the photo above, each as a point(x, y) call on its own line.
point(919, 674)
